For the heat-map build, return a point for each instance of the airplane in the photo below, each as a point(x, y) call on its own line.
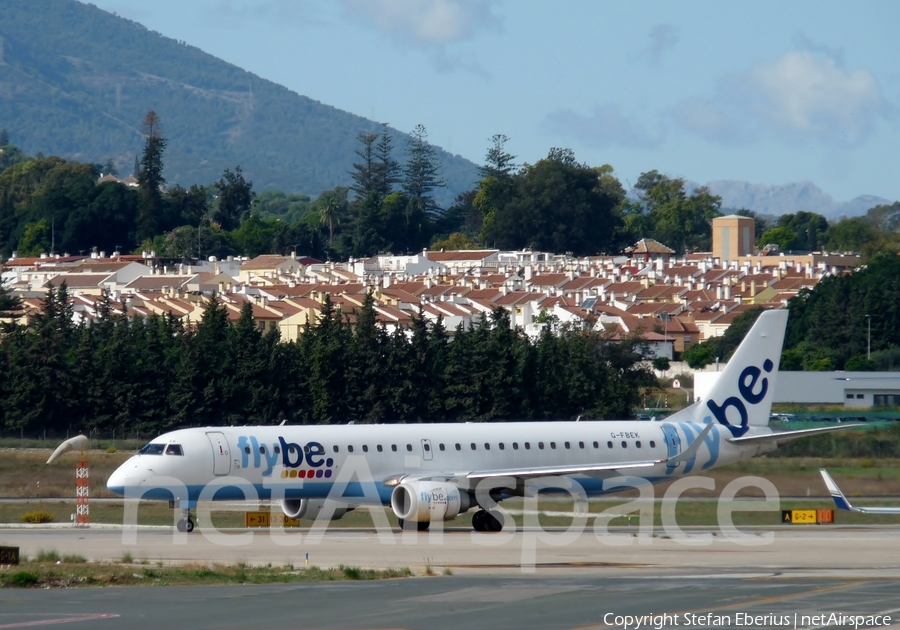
point(430, 472)
point(843, 504)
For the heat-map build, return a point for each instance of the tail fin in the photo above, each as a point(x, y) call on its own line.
point(742, 395)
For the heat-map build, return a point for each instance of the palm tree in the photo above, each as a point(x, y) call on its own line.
point(330, 206)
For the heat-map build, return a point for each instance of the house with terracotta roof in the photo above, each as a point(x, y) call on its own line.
point(268, 269)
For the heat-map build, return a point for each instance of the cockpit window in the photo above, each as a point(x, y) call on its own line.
point(174, 449)
point(152, 449)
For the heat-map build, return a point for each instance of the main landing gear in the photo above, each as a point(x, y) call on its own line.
point(484, 521)
point(186, 524)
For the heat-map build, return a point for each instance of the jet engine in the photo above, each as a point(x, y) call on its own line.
point(310, 508)
point(426, 501)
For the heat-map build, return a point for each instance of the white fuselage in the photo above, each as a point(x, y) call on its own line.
point(305, 461)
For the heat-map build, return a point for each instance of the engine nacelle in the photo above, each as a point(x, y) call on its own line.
point(426, 501)
point(310, 508)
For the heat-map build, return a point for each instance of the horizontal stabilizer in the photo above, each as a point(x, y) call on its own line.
point(781, 437)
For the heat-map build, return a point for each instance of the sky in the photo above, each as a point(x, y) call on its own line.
point(765, 92)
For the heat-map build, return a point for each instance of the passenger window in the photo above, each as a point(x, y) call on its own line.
point(473, 446)
point(409, 447)
point(458, 447)
point(335, 448)
point(541, 445)
point(394, 447)
point(501, 446)
point(487, 446)
point(609, 445)
point(174, 449)
point(262, 450)
point(624, 444)
point(567, 445)
point(427, 447)
point(277, 450)
point(247, 450)
point(515, 446)
point(552, 444)
point(581, 445)
point(652, 444)
point(349, 448)
point(596, 445)
point(365, 449)
point(527, 446)
point(638, 444)
point(441, 446)
point(378, 448)
point(306, 448)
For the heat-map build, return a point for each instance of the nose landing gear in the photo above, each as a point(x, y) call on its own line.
point(186, 524)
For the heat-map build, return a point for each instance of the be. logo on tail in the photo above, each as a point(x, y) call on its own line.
point(747, 386)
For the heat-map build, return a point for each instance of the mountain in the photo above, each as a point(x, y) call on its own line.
point(76, 81)
point(788, 198)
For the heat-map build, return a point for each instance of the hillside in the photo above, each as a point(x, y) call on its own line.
point(76, 81)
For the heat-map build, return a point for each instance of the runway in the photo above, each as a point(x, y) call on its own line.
point(526, 580)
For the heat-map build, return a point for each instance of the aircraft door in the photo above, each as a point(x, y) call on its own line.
point(673, 442)
point(427, 453)
point(221, 456)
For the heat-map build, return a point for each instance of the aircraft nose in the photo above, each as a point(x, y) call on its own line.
point(119, 478)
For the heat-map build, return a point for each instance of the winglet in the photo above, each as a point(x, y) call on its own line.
point(691, 450)
point(836, 494)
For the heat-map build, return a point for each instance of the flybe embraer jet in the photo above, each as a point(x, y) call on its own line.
point(433, 472)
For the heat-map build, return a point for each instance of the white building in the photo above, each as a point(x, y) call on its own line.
point(851, 389)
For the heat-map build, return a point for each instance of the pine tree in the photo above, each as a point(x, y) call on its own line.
point(422, 170)
point(365, 173)
point(388, 169)
point(150, 179)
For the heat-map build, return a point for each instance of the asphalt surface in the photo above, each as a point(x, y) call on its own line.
point(804, 571)
point(540, 602)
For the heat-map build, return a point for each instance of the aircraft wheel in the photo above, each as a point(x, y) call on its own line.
point(423, 526)
point(189, 526)
point(478, 521)
point(181, 525)
point(493, 522)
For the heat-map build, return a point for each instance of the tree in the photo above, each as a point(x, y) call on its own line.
point(422, 170)
point(150, 178)
point(668, 214)
point(555, 205)
point(188, 206)
point(365, 173)
point(36, 240)
point(388, 169)
point(331, 206)
point(782, 236)
point(810, 228)
point(498, 162)
point(235, 197)
point(4, 138)
point(455, 241)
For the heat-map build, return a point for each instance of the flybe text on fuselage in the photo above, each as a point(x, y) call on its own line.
point(292, 456)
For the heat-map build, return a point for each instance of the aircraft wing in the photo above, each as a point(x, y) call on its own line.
point(841, 501)
point(550, 471)
point(787, 436)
